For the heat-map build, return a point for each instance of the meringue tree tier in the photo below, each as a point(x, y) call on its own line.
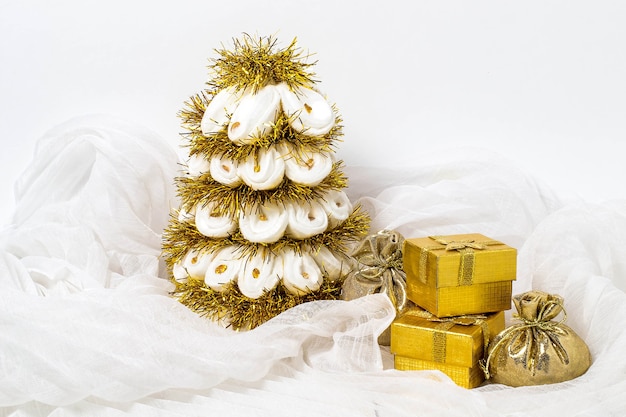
point(204, 189)
point(218, 142)
point(182, 237)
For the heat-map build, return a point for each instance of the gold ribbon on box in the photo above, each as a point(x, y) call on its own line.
point(445, 324)
point(464, 247)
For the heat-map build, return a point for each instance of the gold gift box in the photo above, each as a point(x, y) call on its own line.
point(461, 375)
point(452, 340)
point(459, 274)
point(453, 345)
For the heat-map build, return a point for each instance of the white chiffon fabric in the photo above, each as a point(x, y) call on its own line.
point(87, 325)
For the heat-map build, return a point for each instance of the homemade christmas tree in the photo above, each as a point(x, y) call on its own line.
point(263, 222)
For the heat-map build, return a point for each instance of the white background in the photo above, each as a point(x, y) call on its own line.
point(543, 83)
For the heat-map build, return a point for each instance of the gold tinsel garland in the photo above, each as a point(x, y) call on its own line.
point(241, 312)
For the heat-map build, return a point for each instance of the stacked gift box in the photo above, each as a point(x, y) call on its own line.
point(461, 286)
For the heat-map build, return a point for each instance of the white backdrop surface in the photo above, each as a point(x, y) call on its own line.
point(540, 82)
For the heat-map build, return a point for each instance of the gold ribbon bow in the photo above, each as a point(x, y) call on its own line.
point(464, 247)
point(445, 324)
point(525, 340)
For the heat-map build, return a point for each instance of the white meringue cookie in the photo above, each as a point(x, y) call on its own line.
point(194, 264)
point(217, 113)
point(301, 275)
point(337, 206)
point(257, 276)
point(333, 265)
point(224, 171)
point(307, 168)
point(254, 115)
point(197, 165)
point(223, 268)
point(310, 112)
point(306, 219)
point(185, 215)
point(212, 225)
point(263, 223)
point(264, 170)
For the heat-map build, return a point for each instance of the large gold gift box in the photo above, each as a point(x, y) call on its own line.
point(453, 345)
point(459, 274)
point(461, 375)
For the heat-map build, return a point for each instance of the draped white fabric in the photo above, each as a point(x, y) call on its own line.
point(87, 326)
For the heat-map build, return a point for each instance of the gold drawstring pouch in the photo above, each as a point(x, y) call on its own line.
point(378, 270)
point(538, 350)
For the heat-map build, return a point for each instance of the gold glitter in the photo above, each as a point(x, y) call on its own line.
point(308, 108)
point(256, 273)
point(221, 269)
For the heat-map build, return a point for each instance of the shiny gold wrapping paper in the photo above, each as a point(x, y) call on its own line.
point(456, 301)
point(378, 269)
point(458, 341)
point(538, 349)
point(466, 377)
point(459, 274)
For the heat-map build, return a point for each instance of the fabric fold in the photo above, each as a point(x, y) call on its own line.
point(90, 328)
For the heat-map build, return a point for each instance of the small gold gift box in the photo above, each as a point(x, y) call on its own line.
point(453, 345)
point(459, 274)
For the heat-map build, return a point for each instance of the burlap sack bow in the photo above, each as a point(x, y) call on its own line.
point(445, 324)
point(378, 270)
point(464, 247)
point(537, 350)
